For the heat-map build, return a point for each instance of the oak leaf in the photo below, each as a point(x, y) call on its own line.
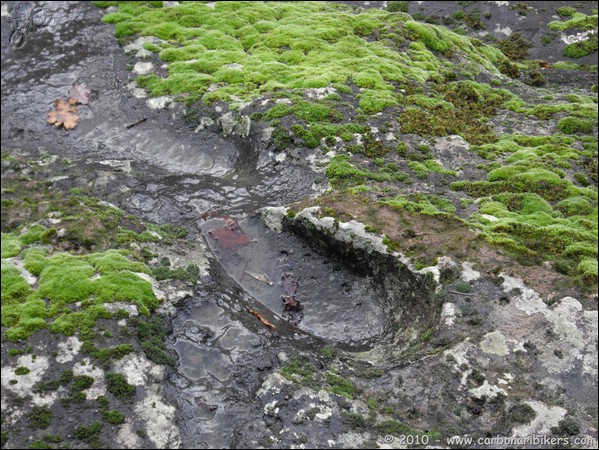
point(64, 113)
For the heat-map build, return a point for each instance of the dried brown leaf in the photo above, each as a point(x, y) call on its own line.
point(80, 93)
point(64, 113)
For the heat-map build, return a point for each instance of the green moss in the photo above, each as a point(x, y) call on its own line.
point(344, 174)
point(374, 101)
point(152, 47)
point(566, 11)
point(11, 245)
point(286, 46)
point(17, 351)
point(117, 385)
point(579, 251)
point(355, 421)
point(88, 433)
point(435, 38)
point(578, 21)
point(397, 6)
point(300, 368)
point(588, 268)
point(315, 112)
point(392, 246)
point(103, 402)
point(547, 111)
point(40, 417)
point(535, 78)
point(32, 234)
point(281, 138)
point(39, 444)
point(52, 438)
point(395, 428)
point(65, 378)
point(101, 4)
point(566, 427)
point(430, 165)
point(114, 416)
point(374, 148)
point(421, 203)
point(372, 404)
point(576, 206)
point(128, 287)
point(114, 261)
point(462, 111)
point(341, 386)
point(328, 352)
point(21, 370)
point(522, 413)
point(419, 169)
point(515, 46)
point(14, 288)
point(66, 279)
point(582, 179)
point(543, 182)
point(82, 382)
point(427, 335)
point(567, 65)
point(574, 125)
point(121, 314)
point(542, 214)
point(151, 333)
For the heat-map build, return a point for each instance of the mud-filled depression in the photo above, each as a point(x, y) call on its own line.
point(311, 289)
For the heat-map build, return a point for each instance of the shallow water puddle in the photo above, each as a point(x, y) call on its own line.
point(336, 304)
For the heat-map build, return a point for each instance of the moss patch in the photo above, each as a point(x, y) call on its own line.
point(65, 279)
point(299, 369)
point(152, 332)
point(114, 417)
point(541, 213)
point(39, 417)
point(263, 47)
point(341, 386)
point(89, 434)
point(343, 173)
point(117, 385)
point(11, 245)
point(461, 109)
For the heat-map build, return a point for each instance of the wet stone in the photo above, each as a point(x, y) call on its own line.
point(201, 363)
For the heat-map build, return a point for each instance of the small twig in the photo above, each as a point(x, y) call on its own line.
point(131, 125)
point(462, 293)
